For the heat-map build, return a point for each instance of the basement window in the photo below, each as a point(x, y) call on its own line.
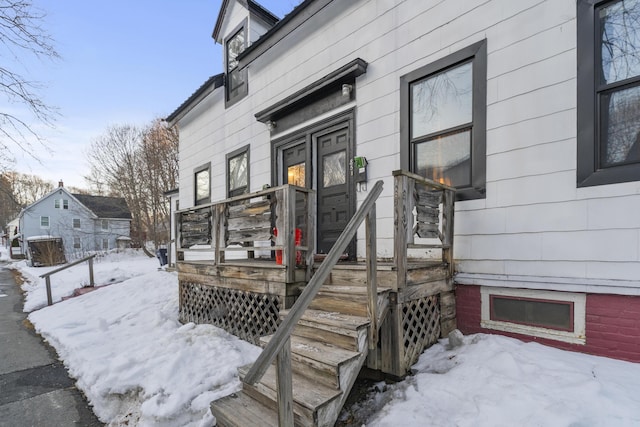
point(545, 314)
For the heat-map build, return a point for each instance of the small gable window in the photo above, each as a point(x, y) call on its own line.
point(56, 203)
point(44, 222)
point(65, 204)
point(236, 81)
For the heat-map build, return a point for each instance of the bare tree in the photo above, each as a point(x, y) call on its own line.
point(21, 34)
point(160, 154)
point(18, 190)
point(139, 165)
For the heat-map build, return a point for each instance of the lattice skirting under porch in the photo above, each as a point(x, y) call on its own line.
point(247, 315)
point(420, 325)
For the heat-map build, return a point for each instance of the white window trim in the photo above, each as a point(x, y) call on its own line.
point(48, 221)
point(577, 336)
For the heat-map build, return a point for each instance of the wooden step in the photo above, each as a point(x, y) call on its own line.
point(338, 329)
point(311, 399)
point(317, 360)
point(352, 300)
point(240, 410)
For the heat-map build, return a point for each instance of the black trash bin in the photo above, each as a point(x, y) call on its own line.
point(162, 256)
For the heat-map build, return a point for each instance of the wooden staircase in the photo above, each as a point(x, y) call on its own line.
point(329, 346)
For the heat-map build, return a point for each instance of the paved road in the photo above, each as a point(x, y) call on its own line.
point(35, 389)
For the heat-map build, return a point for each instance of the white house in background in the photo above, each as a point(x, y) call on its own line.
point(529, 108)
point(85, 223)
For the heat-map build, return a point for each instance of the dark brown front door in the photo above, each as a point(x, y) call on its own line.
point(319, 158)
point(333, 186)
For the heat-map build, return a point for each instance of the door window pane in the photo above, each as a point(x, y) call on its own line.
point(296, 174)
point(334, 169)
point(621, 127)
point(620, 42)
point(442, 101)
point(446, 159)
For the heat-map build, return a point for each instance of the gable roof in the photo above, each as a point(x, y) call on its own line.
point(253, 7)
point(294, 19)
point(105, 207)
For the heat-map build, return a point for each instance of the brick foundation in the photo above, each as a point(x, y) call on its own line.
point(612, 324)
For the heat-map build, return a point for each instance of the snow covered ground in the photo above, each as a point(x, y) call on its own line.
point(139, 366)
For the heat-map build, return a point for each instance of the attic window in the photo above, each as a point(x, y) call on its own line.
point(56, 203)
point(236, 81)
point(65, 204)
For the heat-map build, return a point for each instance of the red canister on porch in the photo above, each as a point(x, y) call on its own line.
point(298, 242)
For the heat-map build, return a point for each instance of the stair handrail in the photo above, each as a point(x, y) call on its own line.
point(47, 276)
point(282, 336)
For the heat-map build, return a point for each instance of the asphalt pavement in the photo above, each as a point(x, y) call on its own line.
point(35, 388)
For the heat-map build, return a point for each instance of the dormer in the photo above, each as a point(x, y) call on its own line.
point(240, 23)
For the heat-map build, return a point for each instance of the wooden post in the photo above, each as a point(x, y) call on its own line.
point(289, 233)
point(310, 232)
point(447, 227)
point(91, 282)
point(372, 276)
point(49, 298)
point(402, 198)
point(284, 385)
point(221, 233)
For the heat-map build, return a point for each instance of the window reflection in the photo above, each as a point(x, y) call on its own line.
point(334, 167)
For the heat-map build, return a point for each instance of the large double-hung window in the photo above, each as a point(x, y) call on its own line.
point(443, 113)
point(608, 91)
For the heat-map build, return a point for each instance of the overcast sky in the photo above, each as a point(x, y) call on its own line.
point(123, 62)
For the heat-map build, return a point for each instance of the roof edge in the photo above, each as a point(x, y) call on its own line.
point(286, 25)
point(205, 89)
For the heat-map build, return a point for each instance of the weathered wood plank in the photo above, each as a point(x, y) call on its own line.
point(244, 222)
point(403, 225)
point(426, 230)
point(254, 208)
point(284, 385)
point(248, 235)
point(372, 277)
point(424, 214)
point(427, 196)
point(421, 291)
point(195, 216)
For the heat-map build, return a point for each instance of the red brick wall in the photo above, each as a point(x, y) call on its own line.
point(612, 324)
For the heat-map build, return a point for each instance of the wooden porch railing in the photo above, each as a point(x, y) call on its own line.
point(280, 344)
point(47, 276)
point(432, 226)
point(235, 225)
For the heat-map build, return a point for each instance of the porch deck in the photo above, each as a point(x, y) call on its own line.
point(412, 304)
